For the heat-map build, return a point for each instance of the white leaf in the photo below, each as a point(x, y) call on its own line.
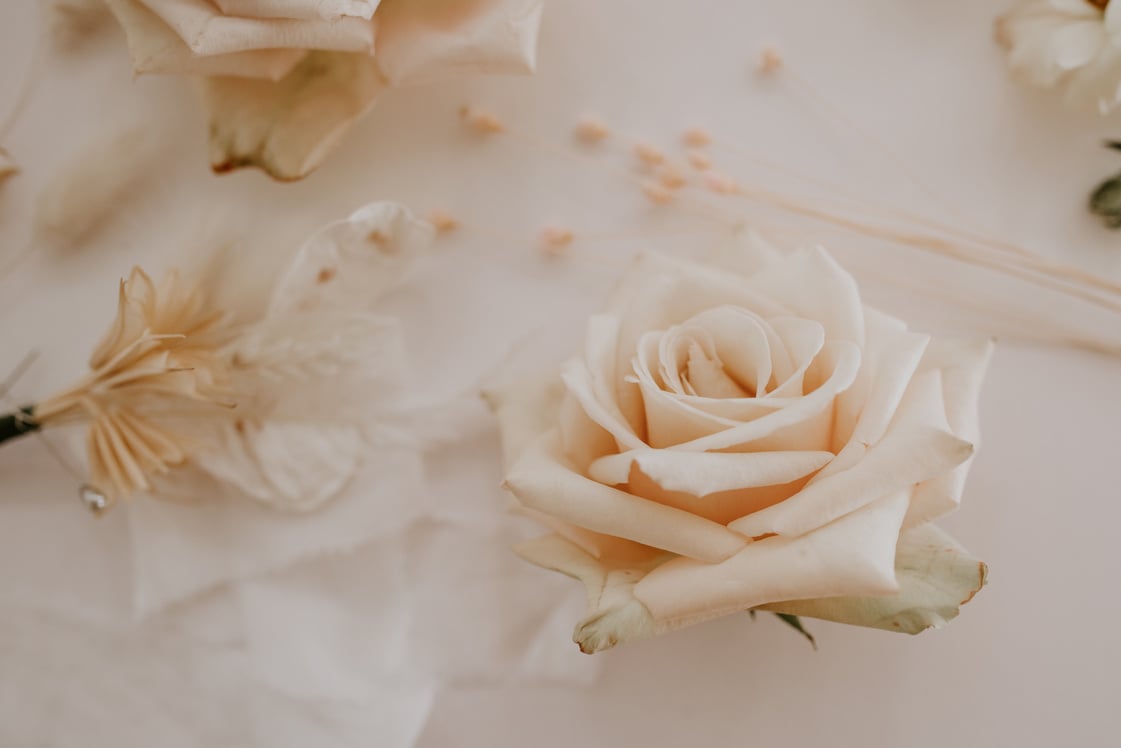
point(351, 263)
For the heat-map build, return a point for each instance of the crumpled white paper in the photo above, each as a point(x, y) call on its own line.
point(337, 626)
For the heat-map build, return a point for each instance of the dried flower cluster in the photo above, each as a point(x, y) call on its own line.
point(158, 368)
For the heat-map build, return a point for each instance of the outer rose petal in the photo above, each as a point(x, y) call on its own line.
point(813, 286)
point(289, 127)
point(207, 32)
point(962, 364)
point(936, 577)
point(905, 457)
point(155, 48)
point(525, 411)
point(421, 40)
point(305, 9)
point(545, 480)
point(854, 555)
point(704, 473)
point(614, 615)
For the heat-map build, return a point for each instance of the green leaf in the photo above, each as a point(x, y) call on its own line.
point(795, 623)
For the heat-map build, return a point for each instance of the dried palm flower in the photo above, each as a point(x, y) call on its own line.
point(278, 407)
point(158, 367)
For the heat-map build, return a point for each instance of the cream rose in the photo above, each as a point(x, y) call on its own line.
point(747, 434)
point(285, 79)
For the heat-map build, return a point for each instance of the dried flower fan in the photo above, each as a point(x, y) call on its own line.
point(262, 405)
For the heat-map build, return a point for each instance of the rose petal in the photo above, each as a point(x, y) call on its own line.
point(906, 456)
point(614, 615)
point(890, 356)
point(595, 544)
point(582, 439)
point(591, 382)
point(1076, 44)
point(813, 286)
point(288, 127)
point(659, 292)
point(526, 409)
point(422, 40)
point(962, 365)
point(155, 48)
point(780, 429)
point(207, 32)
point(936, 577)
point(854, 555)
point(302, 9)
point(704, 473)
point(544, 479)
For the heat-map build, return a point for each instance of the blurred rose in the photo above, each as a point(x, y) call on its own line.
point(1074, 45)
point(748, 434)
point(285, 79)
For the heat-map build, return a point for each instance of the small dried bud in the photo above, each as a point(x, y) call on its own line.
point(722, 184)
point(480, 121)
point(443, 222)
point(555, 239)
point(699, 160)
point(590, 130)
point(671, 176)
point(649, 154)
point(657, 192)
point(770, 60)
point(696, 137)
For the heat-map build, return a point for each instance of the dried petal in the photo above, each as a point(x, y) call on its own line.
point(288, 127)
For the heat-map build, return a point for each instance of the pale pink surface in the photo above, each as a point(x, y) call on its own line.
point(1031, 661)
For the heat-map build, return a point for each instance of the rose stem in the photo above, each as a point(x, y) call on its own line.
point(14, 425)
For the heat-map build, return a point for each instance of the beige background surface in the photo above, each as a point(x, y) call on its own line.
point(1033, 661)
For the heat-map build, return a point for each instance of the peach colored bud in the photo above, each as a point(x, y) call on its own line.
point(480, 121)
point(657, 192)
point(443, 222)
point(696, 137)
point(770, 60)
point(555, 239)
point(648, 154)
point(699, 160)
point(722, 184)
point(670, 176)
point(591, 130)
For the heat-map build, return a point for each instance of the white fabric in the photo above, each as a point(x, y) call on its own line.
point(1041, 502)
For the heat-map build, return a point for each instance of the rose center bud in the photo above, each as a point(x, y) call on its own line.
point(705, 375)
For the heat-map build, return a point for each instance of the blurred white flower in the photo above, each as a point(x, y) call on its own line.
point(1074, 45)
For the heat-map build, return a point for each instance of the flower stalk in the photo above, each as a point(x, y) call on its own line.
point(19, 423)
